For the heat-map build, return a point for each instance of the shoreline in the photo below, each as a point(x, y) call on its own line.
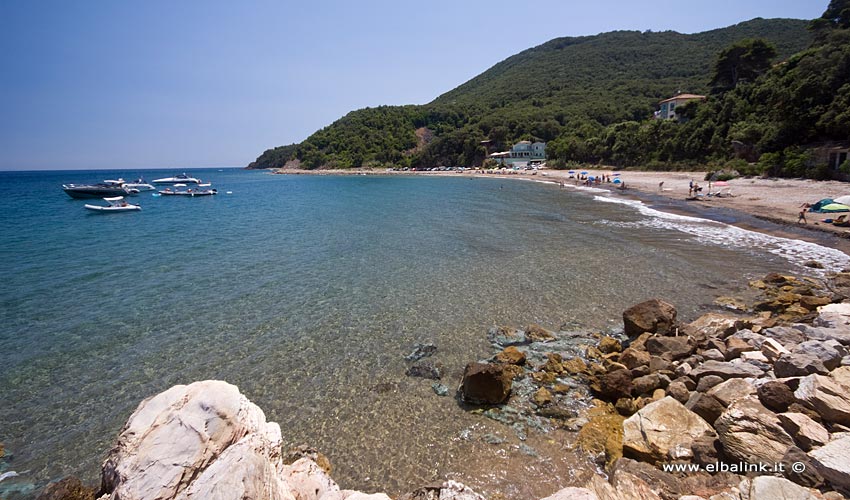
point(769, 206)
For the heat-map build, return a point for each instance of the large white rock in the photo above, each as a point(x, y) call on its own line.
point(751, 433)
point(829, 396)
point(833, 463)
point(662, 431)
point(203, 440)
point(307, 480)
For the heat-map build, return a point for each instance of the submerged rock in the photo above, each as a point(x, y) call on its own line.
point(69, 488)
point(486, 383)
point(425, 369)
point(421, 351)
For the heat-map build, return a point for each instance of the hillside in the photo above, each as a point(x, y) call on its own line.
point(562, 85)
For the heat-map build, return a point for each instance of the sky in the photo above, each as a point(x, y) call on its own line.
point(97, 84)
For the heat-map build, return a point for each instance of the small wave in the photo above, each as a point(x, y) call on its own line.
point(719, 233)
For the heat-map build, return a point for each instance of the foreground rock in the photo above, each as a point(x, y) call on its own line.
point(207, 441)
point(663, 431)
point(652, 316)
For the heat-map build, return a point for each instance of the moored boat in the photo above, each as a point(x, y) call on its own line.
point(188, 192)
point(139, 184)
point(116, 204)
point(177, 179)
point(99, 190)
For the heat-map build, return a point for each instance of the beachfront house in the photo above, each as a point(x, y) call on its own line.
point(667, 107)
point(832, 155)
point(521, 154)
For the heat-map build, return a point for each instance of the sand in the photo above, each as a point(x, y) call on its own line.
point(775, 201)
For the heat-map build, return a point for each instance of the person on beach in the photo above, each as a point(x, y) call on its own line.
point(802, 216)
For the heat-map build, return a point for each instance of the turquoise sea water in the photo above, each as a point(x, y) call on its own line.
point(307, 292)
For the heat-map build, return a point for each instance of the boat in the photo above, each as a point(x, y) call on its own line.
point(140, 185)
point(188, 192)
point(177, 179)
point(99, 190)
point(116, 204)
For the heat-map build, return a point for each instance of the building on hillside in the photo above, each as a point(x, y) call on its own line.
point(523, 152)
point(833, 155)
point(667, 107)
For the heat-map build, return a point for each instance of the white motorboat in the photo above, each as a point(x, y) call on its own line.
point(177, 179)
point(140, 185)
point(116, 204)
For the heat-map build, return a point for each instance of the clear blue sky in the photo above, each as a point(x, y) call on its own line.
point(122, 84)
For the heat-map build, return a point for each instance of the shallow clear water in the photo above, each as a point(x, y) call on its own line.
point(307, 292)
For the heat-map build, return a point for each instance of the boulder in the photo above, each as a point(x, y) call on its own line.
point(775, 396)
point(732, 390)
point(511, 355)
point(829, 398)
point(839, 334)
point(647, 384)
point(726, 370)
point(735, 346)
point(608, 345)
point(772, 349)
point(707, 407)
point(69, 488)
point(615, 385)
point(663, 430)
point(671, 348)
point(632, 358)
point(833, 463)
point(713, 354)
point(716, 325)
point(486, 383)
point(306, 479)
point(833, 316)
point(653, 316)
point(193, 439)
point(797, 364)
point(659, 364)
point(707, 382)
point(776, 488)
point(807, 475)
point(806, 432)
point(751, 433)
point(785, 335)
point(679, 391)
point(542, 397)
point(829, 352)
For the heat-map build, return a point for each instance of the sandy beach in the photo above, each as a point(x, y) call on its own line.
point(775, 201)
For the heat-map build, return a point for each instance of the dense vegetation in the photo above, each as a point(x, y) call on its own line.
point(592, 99)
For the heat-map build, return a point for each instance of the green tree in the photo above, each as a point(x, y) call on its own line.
point(838, 13)
point(742, 61)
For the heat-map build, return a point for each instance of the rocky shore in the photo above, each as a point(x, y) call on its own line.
point(747, 404)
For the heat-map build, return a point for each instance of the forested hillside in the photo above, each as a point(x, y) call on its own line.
point(576, 92)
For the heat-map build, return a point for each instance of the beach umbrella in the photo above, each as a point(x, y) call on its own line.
point(592, 178)
point(617, 181)
point(844, 200)
point(835, 207)
point(584, 172)
point(571, 172)
point(615, 175)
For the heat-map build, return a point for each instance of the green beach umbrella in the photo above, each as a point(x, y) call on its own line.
point(835, 207)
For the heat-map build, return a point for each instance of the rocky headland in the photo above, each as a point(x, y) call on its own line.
point(750, 403)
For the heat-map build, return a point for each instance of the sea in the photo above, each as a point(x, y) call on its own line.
point(307, 292)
